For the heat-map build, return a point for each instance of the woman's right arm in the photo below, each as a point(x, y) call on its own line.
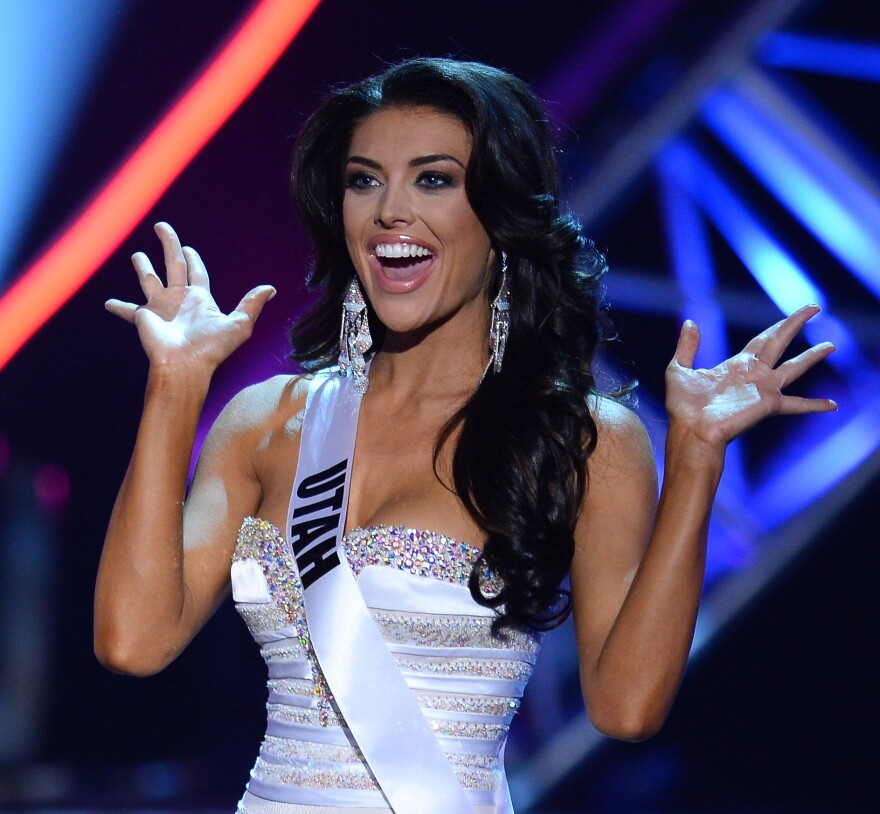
point(164, 567)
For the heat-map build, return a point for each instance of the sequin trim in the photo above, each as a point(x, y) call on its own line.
point(354, 777)
point(435, 630)
point(283, 651)
point(475, 704)
point(333, 753)
point(424, 553)
point(261, 618)
point(291, 686)
point(261, 541)
point(306, 716)
point(477, 779)
point(473, 761)
point(504, 669)
point(310, 750)
point(463, 729)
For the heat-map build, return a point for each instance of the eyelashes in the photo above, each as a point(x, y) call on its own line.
point(433, 179)
point(429, 180)
point(360, 180)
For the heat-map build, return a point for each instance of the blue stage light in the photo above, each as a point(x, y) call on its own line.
point(48, 52)
point(800, 474)
point(694, 269)
point(822, 55)
point(832, 205)
point(786, 283)
point(775, 270)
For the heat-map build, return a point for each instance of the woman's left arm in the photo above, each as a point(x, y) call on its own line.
point(638, 566)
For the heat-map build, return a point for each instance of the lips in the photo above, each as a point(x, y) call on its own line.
point(400, 265)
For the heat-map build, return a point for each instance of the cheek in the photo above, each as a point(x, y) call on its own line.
point(351, 226)
point(348, 216)
point(473, 238)
point(469, 227)
point(356, 209)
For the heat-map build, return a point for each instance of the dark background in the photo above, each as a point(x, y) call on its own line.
point(777, 715)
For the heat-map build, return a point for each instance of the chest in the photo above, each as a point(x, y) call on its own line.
point(394, 479)
point(398, 479)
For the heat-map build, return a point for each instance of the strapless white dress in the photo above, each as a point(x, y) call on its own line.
point(468, 682)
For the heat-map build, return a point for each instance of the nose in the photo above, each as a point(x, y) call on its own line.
point(394, 206)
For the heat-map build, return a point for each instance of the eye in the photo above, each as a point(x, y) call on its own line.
point(433, 179)
point(360, 180)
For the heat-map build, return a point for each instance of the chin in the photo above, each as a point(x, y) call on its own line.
point(403, 326)
point(407, 321)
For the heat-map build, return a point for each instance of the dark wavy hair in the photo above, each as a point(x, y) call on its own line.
point(519, 465)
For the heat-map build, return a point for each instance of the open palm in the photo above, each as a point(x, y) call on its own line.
point(180, 324)
point(720, 403)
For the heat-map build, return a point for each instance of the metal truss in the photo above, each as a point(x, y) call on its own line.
point(736, 132)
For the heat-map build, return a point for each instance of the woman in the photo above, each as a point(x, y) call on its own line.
point(430, 192)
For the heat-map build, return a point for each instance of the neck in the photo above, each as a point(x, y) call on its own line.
point(437, 362)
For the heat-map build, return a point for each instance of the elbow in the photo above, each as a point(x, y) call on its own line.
point(119, 661)
point(627, 729)
point(627, 722)
point(127, 657)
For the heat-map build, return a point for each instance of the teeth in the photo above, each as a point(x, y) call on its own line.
point(394, 250)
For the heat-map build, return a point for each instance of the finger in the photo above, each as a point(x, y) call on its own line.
point(147, 277)
point(769, 345)
point(196, 272)
point(688, 344)
point(125, 310)
point(800, 364)
point(175, 262)
point(797, 405)
point(251, 305)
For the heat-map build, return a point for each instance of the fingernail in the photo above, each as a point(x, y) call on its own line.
point(689, 323)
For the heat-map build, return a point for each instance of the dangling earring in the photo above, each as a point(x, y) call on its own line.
point(499, 327)
point(354, 337)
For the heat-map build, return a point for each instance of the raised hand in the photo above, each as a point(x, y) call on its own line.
point(180, 324)
point(720, 403)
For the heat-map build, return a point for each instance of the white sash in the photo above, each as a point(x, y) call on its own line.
point(377, 704)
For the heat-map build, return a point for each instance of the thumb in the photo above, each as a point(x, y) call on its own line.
point(252, 303)
point(688, 343)
point(125, 310)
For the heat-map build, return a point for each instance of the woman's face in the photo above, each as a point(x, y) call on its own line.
point(420, 252)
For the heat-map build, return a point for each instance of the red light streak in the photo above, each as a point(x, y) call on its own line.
point(127, 197)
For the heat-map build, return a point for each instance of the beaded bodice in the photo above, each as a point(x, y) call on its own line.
point(467, 680)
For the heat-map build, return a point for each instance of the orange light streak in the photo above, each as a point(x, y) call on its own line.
point(127, 197)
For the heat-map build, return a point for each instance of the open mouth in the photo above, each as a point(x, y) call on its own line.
point(403, 261)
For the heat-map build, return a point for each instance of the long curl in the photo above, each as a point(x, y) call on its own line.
point(524, 437)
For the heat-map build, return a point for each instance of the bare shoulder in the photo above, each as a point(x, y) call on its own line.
point(245, 460)
point(617, 514)
point(622, 443)
point(263, 407)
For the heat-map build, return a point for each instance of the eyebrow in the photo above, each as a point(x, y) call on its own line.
point(419, 161)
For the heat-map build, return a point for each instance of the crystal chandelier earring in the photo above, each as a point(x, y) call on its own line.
point(499, 327)
point(354, 337)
